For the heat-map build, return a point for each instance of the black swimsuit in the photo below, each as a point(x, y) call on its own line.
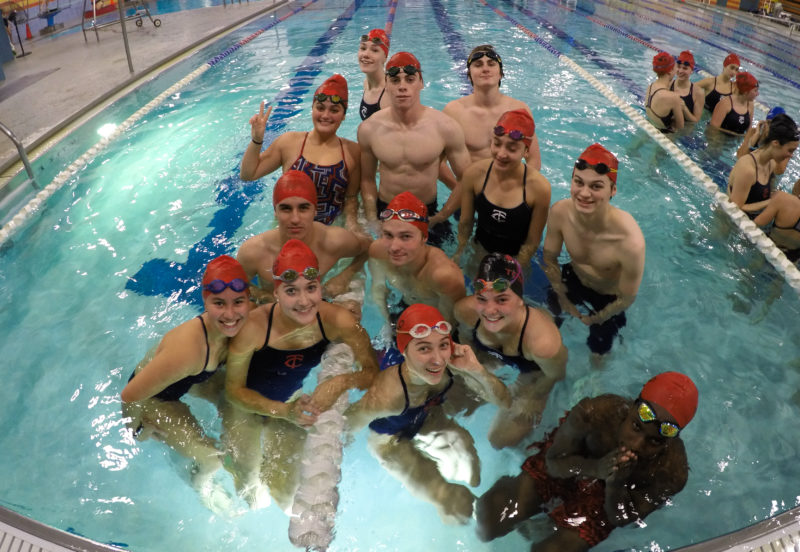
point(500, 229)
point(758, 191)
point(666, 120)
point(736, 122)
point(713, 97)
point(688, 99)
point(518, 361)
point(368, 110)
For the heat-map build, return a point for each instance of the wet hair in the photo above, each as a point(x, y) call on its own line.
point(783, 129)
point(484, 48)
point(500, 265)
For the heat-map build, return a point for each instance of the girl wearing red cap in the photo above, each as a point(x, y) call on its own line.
point(401, 409)
point(667, 102)
point(516, 335)
point(333, 163)
point(733, 114)
point(372, 54)
point(511, 201)
point(183, 362)
point(268, 364)
point(691, 95)
point(715, 88)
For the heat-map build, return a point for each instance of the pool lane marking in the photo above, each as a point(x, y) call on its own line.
point(752, 232)
point(456, 46)
point(35, 204)
point(387, 28)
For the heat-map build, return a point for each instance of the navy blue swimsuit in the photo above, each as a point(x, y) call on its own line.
point(518, 361)
point(408, 423)
point(278, 374)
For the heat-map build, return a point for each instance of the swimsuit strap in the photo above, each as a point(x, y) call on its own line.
point(486, 179)
point(524, 182)
point(321, 328)
point(302, 147)
point(269, 324)
point(405, 388)
point(344, 159)
point(381, 96)
point(208, 347)
point(522, 333)
point(672, 86)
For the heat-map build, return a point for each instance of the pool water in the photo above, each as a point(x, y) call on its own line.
point(109, 265)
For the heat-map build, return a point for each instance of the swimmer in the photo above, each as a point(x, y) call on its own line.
point(401, 409)
point(405, 143)
point(667, 102)
point(294, 199)
point(733, 115)
point(748, 183)
point(611, 462)
point(720, 86)
point(372, 53)
point(511, 332)
point(333, 163)
point(186, 361)
point(783, 212)
point(511, 203)
point(755, 136)
point(400, 258)
point(691, 95)
point(268, 364)
point(476, 112)
point(606, 248)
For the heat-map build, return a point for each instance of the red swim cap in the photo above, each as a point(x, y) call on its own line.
point(745, 82)
point(674, 392)
point(686, 57)
point(663, 63)
point(596, 153)
point(416, 314)
point(731, 59)
point(401, 59)
point(520, 120)
point(407, 200)
point(294, 255)
point(223, 268)
point(294, 184)
point(380, 34)
point(334, 86)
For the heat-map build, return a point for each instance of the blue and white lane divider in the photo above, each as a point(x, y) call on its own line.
point(753, 233)
point(35, 204)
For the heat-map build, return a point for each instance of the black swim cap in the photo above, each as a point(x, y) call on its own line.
point(783, 129)
point(499, 265)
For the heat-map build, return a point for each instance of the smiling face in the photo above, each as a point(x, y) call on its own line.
point(591, 191)
point(227, 311)
point(783, 152)
point(684, 70)
point(404, 242)
point(295, 216)
point(427, 357)
point(507, 152)
point(327, 116)
point(497, 310)
point(729, 71)
point(370, 57)
point(299, 300)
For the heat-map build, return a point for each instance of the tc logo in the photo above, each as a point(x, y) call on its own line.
point(293, 361)
point(498, 215)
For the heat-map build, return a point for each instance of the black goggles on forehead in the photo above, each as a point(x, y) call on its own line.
point(599, 168)
point(491, 54)
point(374, 39)
point(407, 69)
point(334, 98)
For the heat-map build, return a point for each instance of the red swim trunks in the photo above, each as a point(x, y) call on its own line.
point(579, 502)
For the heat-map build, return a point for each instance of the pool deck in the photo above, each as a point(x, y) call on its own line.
point(65, 78)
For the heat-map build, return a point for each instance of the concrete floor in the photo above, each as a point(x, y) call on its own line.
point(65, 78)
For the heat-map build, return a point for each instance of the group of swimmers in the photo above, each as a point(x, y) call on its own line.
point(766, 148)
point(611, 461)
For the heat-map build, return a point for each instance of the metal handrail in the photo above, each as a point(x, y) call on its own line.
point(22, 154)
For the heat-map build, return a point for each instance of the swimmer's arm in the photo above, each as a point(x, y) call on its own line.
point(770, 212)
point(541, 208)
point(625, 504)
point(677, 109)
point(379, 290)
point(699, 100)
point(553, 242)
point(248, 257)
point(377, 402)
point(256, 163)
point(448, 283)
point(565, 458)
point(342, 326)
point(447, 177)
point(706, 85)
point(751, 139)
point(742, 177)
point(353, 187)
point(347, 244)
point(476, 377)
point(369, 168)
point(534, 156)
point(554, 369)
point(465, 315)
point(718, 115)
point(176, 358)
point(467, 222)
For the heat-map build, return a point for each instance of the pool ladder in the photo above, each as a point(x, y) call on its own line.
point(7, 195)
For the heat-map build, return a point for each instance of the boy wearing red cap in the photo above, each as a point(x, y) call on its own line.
point(372, 53)
point(405, 144)
point(733, 114)
point(691, 95)
point(477, 111)
point(294, 199)
point(333, 163)
point(715, 88)
point(611, 462)
point(606, 248)
point(400, 257)
point(403, 409)
point(668, 102)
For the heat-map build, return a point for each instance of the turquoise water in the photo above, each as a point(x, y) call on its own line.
point(77, 315)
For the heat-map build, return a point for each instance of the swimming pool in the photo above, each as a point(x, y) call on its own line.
point(102, 274)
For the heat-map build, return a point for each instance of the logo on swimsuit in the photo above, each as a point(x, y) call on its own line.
point(741, 119)
point(363, 112)
point(498, 215)
point(293, 361)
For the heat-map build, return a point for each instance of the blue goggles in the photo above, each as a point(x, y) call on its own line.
point(218, 286)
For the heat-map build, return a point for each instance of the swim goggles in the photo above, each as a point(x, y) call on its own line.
point(514, 134)
point(218, 286)
point(420, 331)
point(407, 69)
point(686, 63)
point(599, 168)
point(403, 214)
point(290, 274)
point(647, 416)
point(334, 98)
point(374, 39)
point(491, 54)
point(498, 284)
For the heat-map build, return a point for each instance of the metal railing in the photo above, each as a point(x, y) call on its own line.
point(22, 154)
